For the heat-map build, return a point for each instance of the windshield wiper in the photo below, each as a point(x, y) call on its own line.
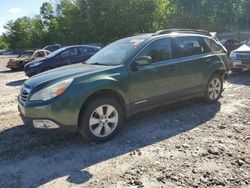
point(97, 63)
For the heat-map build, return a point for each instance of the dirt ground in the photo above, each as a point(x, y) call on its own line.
point(192, 144)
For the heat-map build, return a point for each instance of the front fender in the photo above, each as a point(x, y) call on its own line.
point(109, 83)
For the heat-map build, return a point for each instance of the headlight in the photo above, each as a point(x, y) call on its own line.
point(232, 55)
point(35, 64)
point(51, 91)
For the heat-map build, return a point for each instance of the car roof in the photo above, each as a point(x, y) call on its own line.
point(74, 46)
point(151, 36)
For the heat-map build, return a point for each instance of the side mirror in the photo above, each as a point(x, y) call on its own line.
point(143, 60)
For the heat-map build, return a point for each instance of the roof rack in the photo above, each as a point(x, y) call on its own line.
point(191, 31)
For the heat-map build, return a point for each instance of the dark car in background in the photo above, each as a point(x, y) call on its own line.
point(61, 57)
point(230, 44)
point(17, 64)
point(52, 47)
point(240, 57)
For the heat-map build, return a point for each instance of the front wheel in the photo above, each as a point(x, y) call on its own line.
point(101, 119)
point(214, 88)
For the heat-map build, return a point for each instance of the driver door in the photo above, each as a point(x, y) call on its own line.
point(145, 82)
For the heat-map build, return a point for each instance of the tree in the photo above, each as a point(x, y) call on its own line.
point(3, 44)
point(18, 33)
point(47, 14)
point(103, 21)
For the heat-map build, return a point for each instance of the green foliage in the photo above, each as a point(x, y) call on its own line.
point(3, 44)
point(102, 21)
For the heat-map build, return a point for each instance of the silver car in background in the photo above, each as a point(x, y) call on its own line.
point(240, 57)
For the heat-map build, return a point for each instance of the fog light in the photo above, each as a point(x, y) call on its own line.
point(44, 124)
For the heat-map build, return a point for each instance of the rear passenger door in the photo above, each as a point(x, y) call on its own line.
point(191, 56)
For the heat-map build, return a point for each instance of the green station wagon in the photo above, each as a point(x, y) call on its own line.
point(128, 76)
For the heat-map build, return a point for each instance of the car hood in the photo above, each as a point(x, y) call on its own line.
point(243, 48)
point(35, 60)
point(65, 72)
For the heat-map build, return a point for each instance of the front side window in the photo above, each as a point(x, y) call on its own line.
point(159, 50)
point(188, 46)
point(83, 50)
point(90, 50)
point(69, 53)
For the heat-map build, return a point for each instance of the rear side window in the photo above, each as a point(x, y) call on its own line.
point(188, 46)
point(159, 50)
point(213, 46)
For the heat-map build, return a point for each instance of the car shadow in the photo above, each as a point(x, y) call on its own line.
point(8, 71)
point(240, 78)
point(16, 83)
point(57, 154)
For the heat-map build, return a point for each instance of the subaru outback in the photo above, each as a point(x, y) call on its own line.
point(128, 76)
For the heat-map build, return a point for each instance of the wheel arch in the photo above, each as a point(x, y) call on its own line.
point(104, 93)
point(217, 68)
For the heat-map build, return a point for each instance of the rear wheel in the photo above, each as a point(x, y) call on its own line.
point(101, 119)
point(214, 88)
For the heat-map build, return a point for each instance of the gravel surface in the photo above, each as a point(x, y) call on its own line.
point(191, 144)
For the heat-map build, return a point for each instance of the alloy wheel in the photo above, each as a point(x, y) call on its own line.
point(214, 89)
point(103, 121)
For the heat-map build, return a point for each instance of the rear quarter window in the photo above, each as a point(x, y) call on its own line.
point(213, 46)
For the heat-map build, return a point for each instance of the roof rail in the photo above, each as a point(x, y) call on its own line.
point(194, 31)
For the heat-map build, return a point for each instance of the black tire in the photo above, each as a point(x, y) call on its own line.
point(89, 111)
point(14, 69)
point(209, 97)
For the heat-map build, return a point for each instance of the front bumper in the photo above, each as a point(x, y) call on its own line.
point(35, 117)
point(240, 63)
point(30, 73)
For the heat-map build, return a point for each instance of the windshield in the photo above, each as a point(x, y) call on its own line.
point(117, 52)
point(247, 43)
point(56, 52)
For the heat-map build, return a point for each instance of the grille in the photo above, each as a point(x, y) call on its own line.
point(243, 55)
point(24, 93)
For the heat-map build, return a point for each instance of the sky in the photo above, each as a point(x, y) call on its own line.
point(13, 9)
